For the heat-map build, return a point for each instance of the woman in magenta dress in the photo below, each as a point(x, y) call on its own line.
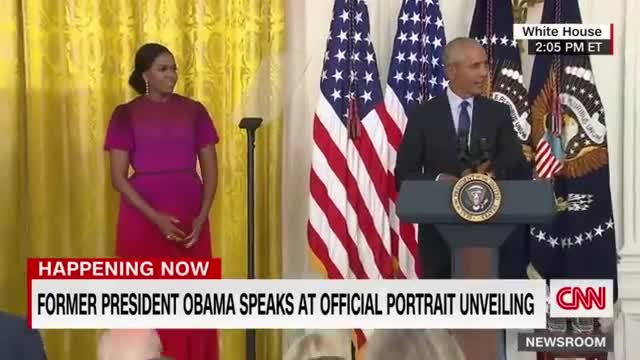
point(164, 205)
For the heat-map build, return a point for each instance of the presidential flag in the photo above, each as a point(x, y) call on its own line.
point(567, 111)
point(416, 75)
point(348, 229)
point(492, 27)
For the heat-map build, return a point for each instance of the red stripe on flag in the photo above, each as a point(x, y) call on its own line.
point(407, 231)
point(556, 167)
point(547, 165)
point(377, 171)
point(319, 249)
point(394, 133)
point(337, 223)
point(408, 234)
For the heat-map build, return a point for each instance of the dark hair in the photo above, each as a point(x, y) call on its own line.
point(145, 56)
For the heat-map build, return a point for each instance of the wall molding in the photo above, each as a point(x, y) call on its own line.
point(629, 282)
point(625, 337)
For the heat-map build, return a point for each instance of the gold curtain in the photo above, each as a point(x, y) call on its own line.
point(65, 67)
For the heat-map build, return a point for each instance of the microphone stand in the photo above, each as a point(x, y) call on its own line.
point(483, 149)
point(464, 156)
point(251, 124)
point(471, 157)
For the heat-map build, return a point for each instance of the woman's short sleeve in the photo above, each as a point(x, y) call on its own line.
point(119, 133)
point(205, 129)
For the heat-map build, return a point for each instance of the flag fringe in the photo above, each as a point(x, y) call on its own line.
point(532, 273)
point(319, 267)
point(316, 263)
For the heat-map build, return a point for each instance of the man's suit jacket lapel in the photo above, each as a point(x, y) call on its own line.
point(479, 125)
point(479, 122)
point(449, 130)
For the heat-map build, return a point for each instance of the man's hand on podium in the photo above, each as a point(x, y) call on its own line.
point(484, 168)
point(446, 177)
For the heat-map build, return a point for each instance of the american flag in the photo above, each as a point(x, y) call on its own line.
point(416, 75)
point(547, 162)
point(348, 229)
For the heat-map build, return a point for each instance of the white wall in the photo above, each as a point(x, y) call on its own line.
point(307, 31)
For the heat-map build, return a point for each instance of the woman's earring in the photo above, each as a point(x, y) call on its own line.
point(146, 84)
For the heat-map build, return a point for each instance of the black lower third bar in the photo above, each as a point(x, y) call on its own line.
point(565, 342)
point(570, 47)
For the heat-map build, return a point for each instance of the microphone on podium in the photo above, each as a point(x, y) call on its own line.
point(484, 148)
point(463, 150)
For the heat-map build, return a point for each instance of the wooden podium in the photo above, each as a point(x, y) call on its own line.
point(476, 236)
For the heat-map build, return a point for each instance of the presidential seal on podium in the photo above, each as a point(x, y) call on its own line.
point(476, 197)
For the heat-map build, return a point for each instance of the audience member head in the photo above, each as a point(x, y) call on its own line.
point(316, 346)
point(466, 67)
point(130, 345)
point(413, 345)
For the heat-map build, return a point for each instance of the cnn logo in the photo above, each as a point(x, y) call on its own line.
point(581, 298)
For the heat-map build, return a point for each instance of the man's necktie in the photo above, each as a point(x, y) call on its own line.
point(463, 133)
point(464, 123)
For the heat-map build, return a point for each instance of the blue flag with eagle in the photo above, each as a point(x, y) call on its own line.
point(569, 132)
point(492, 27)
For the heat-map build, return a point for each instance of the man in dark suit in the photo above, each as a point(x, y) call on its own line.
point(462, 119)
point(17, 341)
